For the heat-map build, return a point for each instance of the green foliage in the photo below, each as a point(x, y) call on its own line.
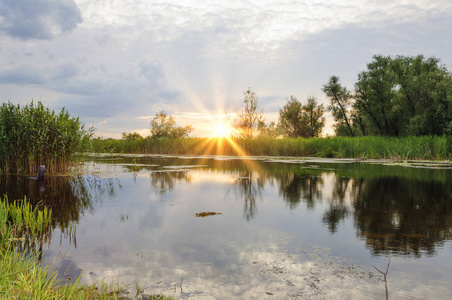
point(22, 226)
point(249, 121)
point(270, 130)
point(376, 97)
point(340, 99)
point(290, 119)
point(395, 96)
point(163, 126)
point(313, 116)
point(131, 136)
point(297, 120)
point(34, 135)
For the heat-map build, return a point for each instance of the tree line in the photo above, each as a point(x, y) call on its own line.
point(395, 96)
point(295, 120)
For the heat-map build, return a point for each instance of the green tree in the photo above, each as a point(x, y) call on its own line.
point(270, 130)
point(131, 136)
point(313, 114)
point(306, 120)
point(424, 88)
point(249, 121)
point(376, 97)
point(405, 96)
point(291, 119)
point(340, 100)
point(164, 126)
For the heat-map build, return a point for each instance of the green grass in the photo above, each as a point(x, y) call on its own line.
point(369, 147)
point(22, 229)
point(34, 135)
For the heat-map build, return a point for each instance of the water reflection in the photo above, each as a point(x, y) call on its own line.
point(401, 216)
point(165, 180)
point(248, 188)
point(394, 209)
point(295, 187)
point(359, 211)
point(339, 207)
point(69, 197)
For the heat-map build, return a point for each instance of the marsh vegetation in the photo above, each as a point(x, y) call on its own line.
point(33, 135)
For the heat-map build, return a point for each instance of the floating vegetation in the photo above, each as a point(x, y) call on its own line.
point(206, 214)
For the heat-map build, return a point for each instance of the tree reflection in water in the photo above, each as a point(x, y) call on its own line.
point(248, 186)
point(295, 187)
point(165, 180)
point(394, 209)
point(396, 215)
point(338, 207)
point(408, 213)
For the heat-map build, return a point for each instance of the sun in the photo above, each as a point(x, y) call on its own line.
point(221, 130)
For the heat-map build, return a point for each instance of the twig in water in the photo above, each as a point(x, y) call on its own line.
point(384, 276)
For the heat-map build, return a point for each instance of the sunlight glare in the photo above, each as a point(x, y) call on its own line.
point(221, 130)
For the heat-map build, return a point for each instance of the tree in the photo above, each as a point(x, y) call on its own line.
point(291, 120)
point(270, 130)
point(313, 114)
point(425, 91)
point(297, 120)
point(131, 136)
point(376, 97)
point(405, 96)
point(395, 96)
point(163, 126)
point(249, 121)
point(340, 99)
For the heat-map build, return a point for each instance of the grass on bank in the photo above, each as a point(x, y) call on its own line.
point(21, 274)
point(369, 147)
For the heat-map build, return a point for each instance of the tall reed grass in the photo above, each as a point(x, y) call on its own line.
point(34, 135)
point(374, 147)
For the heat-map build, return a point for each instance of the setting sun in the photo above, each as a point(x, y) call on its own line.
point(221, 130)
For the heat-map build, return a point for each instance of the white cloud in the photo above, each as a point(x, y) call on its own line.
point(134, 58)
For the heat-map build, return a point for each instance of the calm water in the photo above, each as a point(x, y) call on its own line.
point(287, 230)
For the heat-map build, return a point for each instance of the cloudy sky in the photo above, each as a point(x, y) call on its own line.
point(116, 63)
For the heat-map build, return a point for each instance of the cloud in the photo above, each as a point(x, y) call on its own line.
point(23, 75)
point(40, 75)
point(136, 57)
point(152, 71)
point(38, 19)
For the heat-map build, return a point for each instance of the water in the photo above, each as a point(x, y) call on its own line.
point(287, 229)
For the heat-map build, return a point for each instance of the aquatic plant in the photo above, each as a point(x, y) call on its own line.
point(22, 226)
point(21, 274)
point(34, 135)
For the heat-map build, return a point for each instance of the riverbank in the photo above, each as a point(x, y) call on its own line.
point(368, 147)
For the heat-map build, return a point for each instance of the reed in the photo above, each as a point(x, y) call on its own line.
point(369, 147)
point(33, 135)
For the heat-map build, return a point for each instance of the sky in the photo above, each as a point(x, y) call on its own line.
point(116, 63)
